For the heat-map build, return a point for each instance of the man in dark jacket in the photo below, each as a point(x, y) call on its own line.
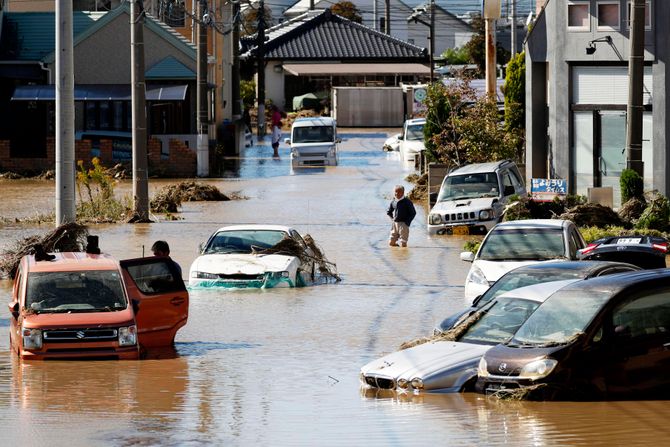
point(402, 212)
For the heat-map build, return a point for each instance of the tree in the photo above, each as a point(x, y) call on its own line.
point(456, 56)
point(347, 10)
point(250, 21)
point(476, 47)
point(515, 101)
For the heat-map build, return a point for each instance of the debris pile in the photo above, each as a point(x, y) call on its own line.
point(67, 237)
point(170, 197)
point(592, 215)
point(632, 209)
point(420, 190)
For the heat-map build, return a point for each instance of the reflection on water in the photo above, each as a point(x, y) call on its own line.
point(280, 366)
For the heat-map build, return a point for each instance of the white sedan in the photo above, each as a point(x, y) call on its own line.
point(248, 256)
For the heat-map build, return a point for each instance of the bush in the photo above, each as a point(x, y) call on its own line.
point(591, 234)
point(656, 215)
point(631, 185)
point(472, 245)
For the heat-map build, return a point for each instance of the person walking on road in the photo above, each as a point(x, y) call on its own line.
point(402, 212)
point(276, 129)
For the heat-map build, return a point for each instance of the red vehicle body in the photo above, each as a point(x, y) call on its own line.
point(83, 305)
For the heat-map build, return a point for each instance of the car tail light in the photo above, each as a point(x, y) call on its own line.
point(661, 247)
point(588, 249)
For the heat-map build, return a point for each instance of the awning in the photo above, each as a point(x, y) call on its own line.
point(356, 69)
point(100, 92)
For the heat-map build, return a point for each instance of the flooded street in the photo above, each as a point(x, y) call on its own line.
point(280, 367)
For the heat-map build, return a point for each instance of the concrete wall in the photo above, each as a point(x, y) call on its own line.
point(368, 106)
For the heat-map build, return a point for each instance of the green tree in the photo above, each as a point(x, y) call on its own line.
point(456, 56)
point(347, 10)
point(476, 47)
point(248, 93)
point(515, 102)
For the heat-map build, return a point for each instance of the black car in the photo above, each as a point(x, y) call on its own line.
point(647, 252)
point(606, 337)
point(535, 273)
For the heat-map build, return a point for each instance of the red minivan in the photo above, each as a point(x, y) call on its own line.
point(86, 305)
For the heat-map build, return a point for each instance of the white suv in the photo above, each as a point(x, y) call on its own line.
point(314, 142)
point(472, 198)
point(411, 139)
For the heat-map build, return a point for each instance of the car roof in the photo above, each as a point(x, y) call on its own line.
point(537, 292)
point(314, 121)
point(72, 261)
point(256, 227)
point(585, 267)
point(477, 168)
point(614, 284)
point(532, 223)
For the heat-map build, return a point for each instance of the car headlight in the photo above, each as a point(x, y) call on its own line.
point(482, 369)
point(476, 276)
point(486, 215)
point(204, 275)
point(537, 369)
point(417, 383)
point(434, 219)
point(128, 336)
point(278, 275)
point(32, 338)
point(403, 383)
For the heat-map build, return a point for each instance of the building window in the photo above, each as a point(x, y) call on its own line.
point(647, 15)
point(579, 16)
point(609, 16)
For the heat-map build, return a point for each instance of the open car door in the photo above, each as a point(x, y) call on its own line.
point(156, 283)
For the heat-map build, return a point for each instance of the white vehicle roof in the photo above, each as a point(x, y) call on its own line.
point(532, 223)
point(537, 292)
point(314, 121)
point(416, 121)
point(477, 168)
point(256, 227)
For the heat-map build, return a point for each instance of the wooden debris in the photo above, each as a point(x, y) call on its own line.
point(170, 197)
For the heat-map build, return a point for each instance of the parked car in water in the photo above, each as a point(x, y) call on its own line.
point(533, 274)
point(448, 366)
point(314, 142)
point(648, 252)
point(599, 338)
point(392, 143)
point(235, 256)
point(88, 305)
point(520, 242)
point(412, 139)
point(472, 198)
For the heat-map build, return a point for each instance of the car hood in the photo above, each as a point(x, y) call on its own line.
point(242, 263)
point(425, 359)
point(413, 146)
point(463, 205)
point(123, 317)
point(312, 148)
point(493, 270)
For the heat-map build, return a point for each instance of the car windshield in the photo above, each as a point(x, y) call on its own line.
point(313, 134)
point(564, 315)
point(523, 244)
point(499, 321)
point(513, 280)
point(82, 291)
point(469, 186)
point(243, 241)
point(414, 132)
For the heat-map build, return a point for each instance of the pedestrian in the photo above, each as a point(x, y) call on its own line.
point(402, 212)
point(161, 248)
point(276, 129)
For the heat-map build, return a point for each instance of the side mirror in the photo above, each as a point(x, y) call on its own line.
point(401, 137)
point(467, 256)
point(136, 306)
point(14, 309)
point(287, 141)
point(338, 140)
point(201, 247)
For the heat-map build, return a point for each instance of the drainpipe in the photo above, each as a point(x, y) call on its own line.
point(46, 68)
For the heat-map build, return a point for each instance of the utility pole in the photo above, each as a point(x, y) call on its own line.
point(65, 184)
point(139, 114)
point(261, 69)
point(202, 121)
point(512, 4)
point(491, 13)
point(432, 40)
point(311, 5)
point(387, 17)
point(635, 108)
point(235, 75)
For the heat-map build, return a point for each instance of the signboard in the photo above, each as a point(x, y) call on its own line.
point(419, 106)
point(546, 189)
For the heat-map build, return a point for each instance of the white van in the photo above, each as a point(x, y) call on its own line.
point(314, 142)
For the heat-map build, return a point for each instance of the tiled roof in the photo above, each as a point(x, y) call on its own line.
point(321, 35)
point(170, 68)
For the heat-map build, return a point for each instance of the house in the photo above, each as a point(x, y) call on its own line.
point(577, 57)
point(318, 50)
point(450, 31)
point(102, 79)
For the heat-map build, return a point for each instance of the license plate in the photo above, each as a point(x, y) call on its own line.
point(460, 229)
point(629, 241)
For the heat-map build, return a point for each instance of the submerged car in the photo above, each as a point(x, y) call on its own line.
point(244, 256)
point(448, 366)
point(314, 142)
point(598, 338)
point(648, 252)
point(411, 141)
point(88, 305)
point(520, 242)
point(392, 143)
point(533, 274)
point(472, 198)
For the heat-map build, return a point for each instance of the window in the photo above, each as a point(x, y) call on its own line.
point(644, 316)
point(609, 17)
point(579, 16)
point(647, 15)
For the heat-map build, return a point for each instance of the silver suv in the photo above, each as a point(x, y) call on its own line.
point(472, 198)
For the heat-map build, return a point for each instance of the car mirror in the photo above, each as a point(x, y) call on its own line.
point(467, 256)
point(14, 309)
point(287, 141)
point(201, 247)
point(338, 140)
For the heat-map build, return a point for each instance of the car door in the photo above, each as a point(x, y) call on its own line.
point(156, 284)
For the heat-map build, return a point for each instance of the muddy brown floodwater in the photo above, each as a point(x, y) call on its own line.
point(280, 367)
